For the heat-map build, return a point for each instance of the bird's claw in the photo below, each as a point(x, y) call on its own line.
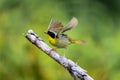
point(53, 49)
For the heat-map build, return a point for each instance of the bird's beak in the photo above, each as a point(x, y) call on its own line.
point(45, 32)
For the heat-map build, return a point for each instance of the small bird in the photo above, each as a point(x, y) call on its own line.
point(56, 34)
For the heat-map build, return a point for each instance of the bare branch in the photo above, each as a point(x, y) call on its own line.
point(76, 71)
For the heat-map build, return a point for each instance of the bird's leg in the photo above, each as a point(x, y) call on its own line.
point(64, 52)
point(53, 49)
point(77, 61)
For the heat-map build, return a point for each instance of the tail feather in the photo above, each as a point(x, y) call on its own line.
point(78, 41)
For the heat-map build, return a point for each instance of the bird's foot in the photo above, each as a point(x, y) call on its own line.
point(53, 49)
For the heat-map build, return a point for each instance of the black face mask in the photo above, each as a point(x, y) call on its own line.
point(52, 34)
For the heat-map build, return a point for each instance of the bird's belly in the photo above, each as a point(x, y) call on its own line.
point(62, 43)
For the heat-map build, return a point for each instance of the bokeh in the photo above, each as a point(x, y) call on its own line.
point(99, 25)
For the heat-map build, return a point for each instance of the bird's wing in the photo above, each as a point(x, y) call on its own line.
point(55, 26)
point(73, 22)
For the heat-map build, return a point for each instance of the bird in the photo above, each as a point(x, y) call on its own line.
point(56, 35)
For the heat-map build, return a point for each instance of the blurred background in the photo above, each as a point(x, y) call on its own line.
point(99, 25)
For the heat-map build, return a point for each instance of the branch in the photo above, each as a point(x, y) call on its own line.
point(76, 71)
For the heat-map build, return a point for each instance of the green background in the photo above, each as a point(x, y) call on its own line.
point(99, 25)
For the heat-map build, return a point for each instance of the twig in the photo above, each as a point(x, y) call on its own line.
point(76, 71)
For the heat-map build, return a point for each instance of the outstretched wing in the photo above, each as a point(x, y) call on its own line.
point(55, 26)
point(73, 22)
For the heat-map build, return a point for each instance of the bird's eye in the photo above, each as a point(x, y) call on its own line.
point(51, 34)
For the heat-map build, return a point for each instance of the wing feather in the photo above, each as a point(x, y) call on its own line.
point(73, 22)
point(55, 26)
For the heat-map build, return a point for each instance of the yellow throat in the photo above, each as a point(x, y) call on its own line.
point(52, 40)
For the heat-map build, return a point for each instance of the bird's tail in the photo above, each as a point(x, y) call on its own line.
point(78, 41)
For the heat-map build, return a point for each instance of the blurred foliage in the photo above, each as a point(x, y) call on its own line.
point(99, 25)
